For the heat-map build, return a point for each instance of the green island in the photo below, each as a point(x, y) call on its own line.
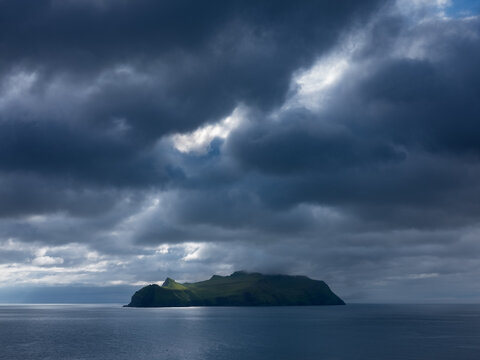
point(238, 289)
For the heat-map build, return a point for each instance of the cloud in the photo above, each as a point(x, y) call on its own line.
point(88, 89)
point(199, 140)
point(47, 260)
point(334, 141)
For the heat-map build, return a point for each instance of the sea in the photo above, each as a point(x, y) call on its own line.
point(355, 331)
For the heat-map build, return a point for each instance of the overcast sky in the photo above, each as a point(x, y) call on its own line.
point(141, 139)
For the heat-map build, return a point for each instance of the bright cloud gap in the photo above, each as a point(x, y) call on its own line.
point(199, 140)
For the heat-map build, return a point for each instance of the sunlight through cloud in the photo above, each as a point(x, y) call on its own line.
point(199, 140)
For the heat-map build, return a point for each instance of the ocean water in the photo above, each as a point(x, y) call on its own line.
point(298, 333)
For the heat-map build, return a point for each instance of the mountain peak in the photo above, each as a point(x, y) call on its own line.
point(169, 283)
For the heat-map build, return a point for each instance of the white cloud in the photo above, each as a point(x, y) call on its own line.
point(47, 260)
point(414, 276)
point(312, 86)
point(313, 83)
point(16, 85)
point(408, 6)
point(426, 9)
point(194, 251)
point(199, 140)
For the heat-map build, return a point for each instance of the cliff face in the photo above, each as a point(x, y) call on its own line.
point(238, 289)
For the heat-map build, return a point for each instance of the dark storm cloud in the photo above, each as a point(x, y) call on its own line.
point(89, 86)
point(372, 185)
point(35, 195)
point(202, 58)
point(56, 150)
point(319, 147)
point(405, 135)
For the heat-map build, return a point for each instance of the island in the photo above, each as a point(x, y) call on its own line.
point(238, 289)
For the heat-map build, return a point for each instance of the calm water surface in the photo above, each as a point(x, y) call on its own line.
point(297, 333)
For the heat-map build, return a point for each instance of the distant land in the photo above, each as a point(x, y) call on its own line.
point(238, 289)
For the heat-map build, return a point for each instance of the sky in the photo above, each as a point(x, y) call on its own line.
point(145, 139)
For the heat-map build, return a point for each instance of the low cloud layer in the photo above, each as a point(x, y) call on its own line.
point(145, 139)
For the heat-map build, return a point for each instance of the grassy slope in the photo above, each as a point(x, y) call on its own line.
point(238, 289)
